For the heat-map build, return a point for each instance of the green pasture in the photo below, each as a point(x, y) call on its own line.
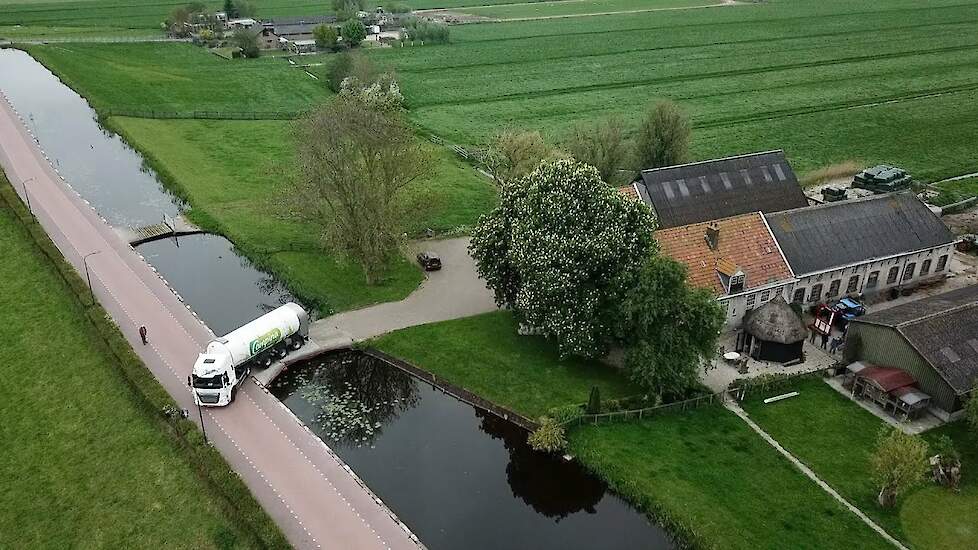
point(836, 438)
point(746, 75)
point(576, 8)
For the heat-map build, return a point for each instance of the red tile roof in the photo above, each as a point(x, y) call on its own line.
point(888, 378)
point(745, 242)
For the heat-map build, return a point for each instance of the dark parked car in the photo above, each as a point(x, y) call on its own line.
point(429, 261)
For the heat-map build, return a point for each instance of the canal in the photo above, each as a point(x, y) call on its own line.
point(458, 476)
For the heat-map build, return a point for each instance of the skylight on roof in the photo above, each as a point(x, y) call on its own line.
point(726, 180)
point(950, 354)
point(746, 176)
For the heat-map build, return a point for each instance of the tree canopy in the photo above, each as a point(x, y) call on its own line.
point(561, 250)
point(663, 137)
point(513, 154)
point(325, 36)
point(603, 146)
point(671, 329)
point(353, 32)
point(899, 464)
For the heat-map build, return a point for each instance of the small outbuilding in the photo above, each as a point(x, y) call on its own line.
point(775, 332)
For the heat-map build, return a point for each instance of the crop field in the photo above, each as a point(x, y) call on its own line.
point(890, 81)
point(575, 8)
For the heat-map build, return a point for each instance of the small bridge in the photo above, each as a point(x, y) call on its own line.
point(168, 227)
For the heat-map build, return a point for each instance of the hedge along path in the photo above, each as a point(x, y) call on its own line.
point(735, 408)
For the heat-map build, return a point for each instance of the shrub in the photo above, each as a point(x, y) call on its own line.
point(898, 464)
point(397, 7)
point(353, 32)
point(424, 30)
point(549, 437)
point(566, 413)
point(325, 36)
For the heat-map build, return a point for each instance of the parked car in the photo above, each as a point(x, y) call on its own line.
point(429, 261)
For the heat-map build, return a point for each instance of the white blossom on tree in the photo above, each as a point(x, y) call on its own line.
point(561, 250)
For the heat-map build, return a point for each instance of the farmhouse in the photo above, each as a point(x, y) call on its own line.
point(736, 257)
point(863, 246)
point(934, 340)
point(720, 188)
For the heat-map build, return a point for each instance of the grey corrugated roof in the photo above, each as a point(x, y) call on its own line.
point(818, 238)
point(714, 189)
point(943, 329)
point(300, 20)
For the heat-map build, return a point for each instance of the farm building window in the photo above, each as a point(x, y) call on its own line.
point(750, 301)
point(853, 284)
point(925, 267)
point(941, 263)
point(873, 279)
point(816, 294)
point(799, 297)
point(765, 295)
point(834, 288)
point(908, 272)
point(891, 277)
point(737, 283)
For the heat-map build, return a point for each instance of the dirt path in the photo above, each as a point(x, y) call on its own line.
point(453, 292)
point(734, 407)
point(314, 498)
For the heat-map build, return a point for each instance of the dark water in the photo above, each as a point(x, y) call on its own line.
point(97, 164)
point(223, 288)
point(458, 476)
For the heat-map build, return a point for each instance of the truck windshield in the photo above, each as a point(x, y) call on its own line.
point(209, 383)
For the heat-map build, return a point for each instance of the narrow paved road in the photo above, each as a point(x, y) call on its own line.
point(453, 292)
point(315, 499)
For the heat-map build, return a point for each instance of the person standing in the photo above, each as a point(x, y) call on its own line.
point(825, 340)
point(142, 334)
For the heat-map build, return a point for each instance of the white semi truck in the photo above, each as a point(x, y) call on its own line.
point(227, 361)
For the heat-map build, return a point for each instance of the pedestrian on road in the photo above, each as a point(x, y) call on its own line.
point(142, 334)
point(825, 340)
point(812, 340)
point(834, 345)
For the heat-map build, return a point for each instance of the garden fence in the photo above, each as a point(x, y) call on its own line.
point(638, 414)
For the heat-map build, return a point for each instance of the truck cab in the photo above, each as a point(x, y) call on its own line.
point(215, 380)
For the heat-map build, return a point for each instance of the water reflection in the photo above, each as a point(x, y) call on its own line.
point(225, 289)
point(458, 476)
point(97, 163)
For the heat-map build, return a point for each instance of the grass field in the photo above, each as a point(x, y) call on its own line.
point(484, 355)
point(178, 77)
point(958, 190)
point(234, 172)
point(836, 437)
point(569, 8)
point(708, 470)
point(827, 81)
point(83, 466)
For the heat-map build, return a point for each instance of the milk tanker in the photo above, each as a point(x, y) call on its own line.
point(227, 361)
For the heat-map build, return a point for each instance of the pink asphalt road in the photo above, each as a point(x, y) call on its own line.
point(317, 501)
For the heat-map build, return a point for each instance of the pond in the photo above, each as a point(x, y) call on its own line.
point(458, 476)
point(224, 288)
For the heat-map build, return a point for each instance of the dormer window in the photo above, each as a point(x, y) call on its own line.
point(737, 281)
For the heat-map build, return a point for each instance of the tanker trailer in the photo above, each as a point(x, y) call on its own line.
point(227, 361)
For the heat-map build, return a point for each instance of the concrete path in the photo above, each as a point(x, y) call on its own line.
point(454, 292)
point(315, 498)
point(736, 409)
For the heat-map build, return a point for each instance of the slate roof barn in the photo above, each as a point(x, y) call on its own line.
point(935, 339)
point(721, 188)
point(838, 234)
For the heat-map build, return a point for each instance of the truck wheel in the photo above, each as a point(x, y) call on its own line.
point(281, 351)
point(295, 343)
point(265, 361)
point(234, 393)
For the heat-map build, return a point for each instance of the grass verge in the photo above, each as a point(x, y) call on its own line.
point(95, 458)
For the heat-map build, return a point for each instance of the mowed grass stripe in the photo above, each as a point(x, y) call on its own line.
point(756, 71)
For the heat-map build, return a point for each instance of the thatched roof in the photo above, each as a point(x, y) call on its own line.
point(775, 321)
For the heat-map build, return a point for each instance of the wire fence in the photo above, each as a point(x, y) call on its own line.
point(648, 412)
point(206, 115)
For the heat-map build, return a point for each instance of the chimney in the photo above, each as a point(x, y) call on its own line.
point(713, 235)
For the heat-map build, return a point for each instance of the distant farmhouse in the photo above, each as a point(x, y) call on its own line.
point(743, 228)
point(933, 340)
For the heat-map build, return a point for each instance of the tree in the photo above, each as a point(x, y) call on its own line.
point(325, 36)
point(560, 250)
point(245, 8)
point(594, 401)
point(425, 30)
point(899, 464)
point(512, 154)
point(353, 32)
point(382, 95)
point(247, 40)
point(229, 9)
point(947, 466)
point(602, 145)
point(663, 137)
point(548, 437)
point(357, 166)
point(670, 329)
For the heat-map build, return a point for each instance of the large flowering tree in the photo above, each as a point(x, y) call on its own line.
point(561, 251)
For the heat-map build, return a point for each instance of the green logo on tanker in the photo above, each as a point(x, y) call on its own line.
point(265, 341)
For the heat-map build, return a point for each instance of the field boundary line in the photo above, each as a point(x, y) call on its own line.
point(735, 408)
